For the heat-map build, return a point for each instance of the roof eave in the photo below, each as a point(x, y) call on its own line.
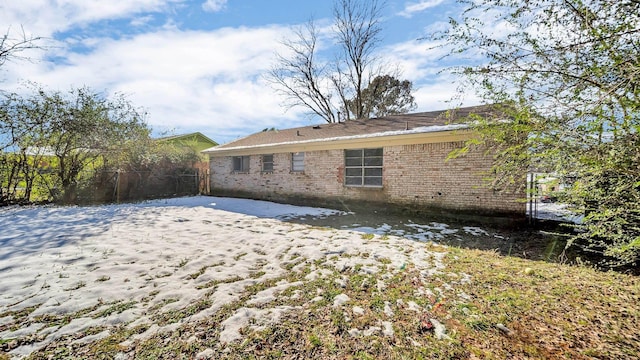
point(196, 134)
point(348, 143)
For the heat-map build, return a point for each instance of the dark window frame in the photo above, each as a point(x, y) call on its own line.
point(240, 164)
point(363, 167)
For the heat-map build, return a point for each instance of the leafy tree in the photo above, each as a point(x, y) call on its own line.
point(385, 95)
point(22, 151)
point(147, 168)
point(87, 130)
point(76, 131)
point(16, 170)
point(567, 74)
point(341, 89)
point(153, 154)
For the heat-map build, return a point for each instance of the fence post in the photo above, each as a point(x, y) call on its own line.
point(530, 197)
point(118, 186)
point(208, 181)
point(197, 181)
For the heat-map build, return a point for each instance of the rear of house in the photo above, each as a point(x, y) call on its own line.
point(399, 160)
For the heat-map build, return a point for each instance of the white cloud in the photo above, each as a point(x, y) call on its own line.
point(411, 8)
point(443, 93)
point(212, 81)
point(414, 58)
point(421, 62)
point(45, 17)
point(141, 21)
point(214, 5)
point(209, 81)
point(206, 80)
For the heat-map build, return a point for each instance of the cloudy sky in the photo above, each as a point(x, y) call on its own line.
point(200, 65)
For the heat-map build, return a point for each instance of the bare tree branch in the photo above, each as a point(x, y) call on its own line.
point(299, 77)
point(358, 33)
point(11, 48)
point(335, 90)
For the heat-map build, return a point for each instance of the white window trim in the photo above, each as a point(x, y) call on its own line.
point(293, 169)
point(272, 162)
point(363, 168)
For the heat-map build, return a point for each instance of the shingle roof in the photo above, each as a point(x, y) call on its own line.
point(402, 122)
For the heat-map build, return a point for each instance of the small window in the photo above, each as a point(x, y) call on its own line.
point(241, 163)
point(297, 162)
point(267, 163)
point(363, 167)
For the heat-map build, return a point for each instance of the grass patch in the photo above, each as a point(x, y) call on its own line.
point(198, 273)
point(150, 296)
point(183, 262)
point(162, 274)
point(553, 310)
point(162, 303)
point(76, 286)
point(213, 283)
point(173, 316)
point(256, 274)
point(51, 320)
point(203, 269)
point(18, 316)
point(115, 308)
point(239, 256)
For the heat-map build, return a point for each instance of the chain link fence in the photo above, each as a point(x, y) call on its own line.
point(110, 186)
point(104, 185)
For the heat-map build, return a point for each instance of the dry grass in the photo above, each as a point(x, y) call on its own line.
point(555, 311)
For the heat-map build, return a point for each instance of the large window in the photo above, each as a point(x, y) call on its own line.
point(241, 163)
point(297, 162)
point(267, 163)
point(363, 167)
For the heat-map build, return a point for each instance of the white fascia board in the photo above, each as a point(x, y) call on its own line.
point(441, 133)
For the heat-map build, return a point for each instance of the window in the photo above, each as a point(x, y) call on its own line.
point(297, 162)
point(363, 167)
point(267, 163)
point(241, 163)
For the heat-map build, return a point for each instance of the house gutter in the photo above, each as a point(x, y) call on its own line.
point(338, 143)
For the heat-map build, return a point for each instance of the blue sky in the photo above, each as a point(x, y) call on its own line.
point(199, 65)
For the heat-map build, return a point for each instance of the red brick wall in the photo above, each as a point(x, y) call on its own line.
point(413, 175)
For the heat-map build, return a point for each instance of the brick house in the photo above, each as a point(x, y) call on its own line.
point(398, 160)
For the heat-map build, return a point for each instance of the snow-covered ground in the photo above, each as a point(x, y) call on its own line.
point(122, 265)
point(555, 212)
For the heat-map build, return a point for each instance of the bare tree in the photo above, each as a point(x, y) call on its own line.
point(334, 90)
point(300, 78)
point(11, 48)
point(358, 30)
